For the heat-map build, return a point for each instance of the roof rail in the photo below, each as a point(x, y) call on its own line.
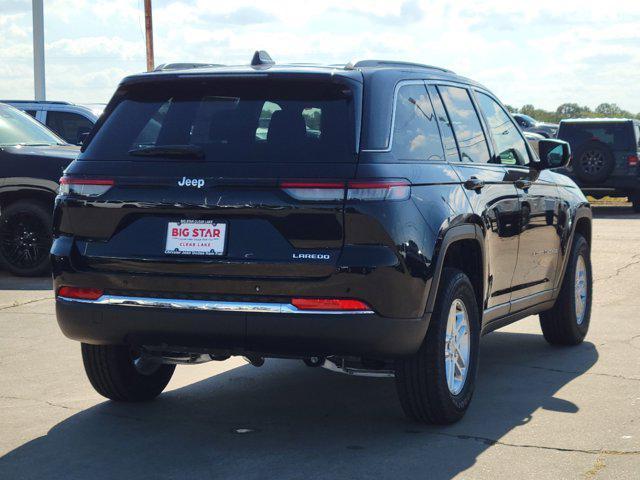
point(50, 102)
point(184, 66)
point(391, 63)
point(261, 57)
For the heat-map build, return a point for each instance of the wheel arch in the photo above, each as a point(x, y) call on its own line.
point(461, 247)
point(583, 227)
point(581, 223)
point(42, 196)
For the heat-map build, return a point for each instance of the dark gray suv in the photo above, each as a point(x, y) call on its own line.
point(605, 156)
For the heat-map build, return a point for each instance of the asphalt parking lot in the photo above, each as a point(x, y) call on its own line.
point(539, 412)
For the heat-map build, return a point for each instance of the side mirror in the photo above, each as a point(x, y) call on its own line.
point(553, 154)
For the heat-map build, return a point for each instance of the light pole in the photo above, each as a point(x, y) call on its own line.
point(148, 28)
point(38, 50)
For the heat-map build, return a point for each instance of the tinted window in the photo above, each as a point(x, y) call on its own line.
point(17, 127)
point(232, 121)
point(510, 146)
point(446, 131)
point(69, 126)
point(415, 129)
point(617, 135)
point(466, 125)
point(31, 112)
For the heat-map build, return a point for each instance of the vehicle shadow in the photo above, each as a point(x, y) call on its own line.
point(618, 212)
point(303, 422)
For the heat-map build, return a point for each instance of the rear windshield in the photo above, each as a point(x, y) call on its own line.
point(617, 135)
point(247, 120)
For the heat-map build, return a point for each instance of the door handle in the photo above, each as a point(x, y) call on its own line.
point(523, 184)
point(474, 183)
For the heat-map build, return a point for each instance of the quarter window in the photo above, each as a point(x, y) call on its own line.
point(510, 146)
point(466, 124)
point(415, 130)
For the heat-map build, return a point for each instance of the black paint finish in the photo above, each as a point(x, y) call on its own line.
point(388, 254)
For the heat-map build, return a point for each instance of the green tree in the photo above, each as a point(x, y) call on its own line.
point(528, 109)
point(608, 110)
point(573, 110)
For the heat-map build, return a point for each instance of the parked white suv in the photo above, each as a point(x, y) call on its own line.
point(69, 120)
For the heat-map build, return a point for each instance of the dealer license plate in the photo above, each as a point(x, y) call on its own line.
point(196, 237)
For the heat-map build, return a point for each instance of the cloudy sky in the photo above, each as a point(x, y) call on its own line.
point(545, 52)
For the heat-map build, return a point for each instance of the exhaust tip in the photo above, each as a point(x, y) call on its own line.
point(255, 361)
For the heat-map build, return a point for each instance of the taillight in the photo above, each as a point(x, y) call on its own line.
point(331, 304)
point(360, 190)
point(314, 191)
point(632, 160)
point(84, 187)
point(377, 190)
point(80, 293)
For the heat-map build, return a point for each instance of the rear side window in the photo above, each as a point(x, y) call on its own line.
point(616, 135)
point(466, 124)
point(69, 126)
point(256, 120)
point(510, 145)
point(415, 129)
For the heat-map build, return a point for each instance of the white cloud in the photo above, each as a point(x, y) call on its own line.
point(545, 55)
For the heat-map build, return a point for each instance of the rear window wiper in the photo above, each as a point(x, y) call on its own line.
point(187, 151)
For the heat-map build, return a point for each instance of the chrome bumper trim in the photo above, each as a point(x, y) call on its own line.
point(208, 305)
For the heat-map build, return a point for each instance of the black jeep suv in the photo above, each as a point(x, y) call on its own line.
point(32, 158)
point(605, 156)
point(375, 218)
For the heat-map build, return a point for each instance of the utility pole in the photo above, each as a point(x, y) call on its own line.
point(148, 28)
point(38, 50)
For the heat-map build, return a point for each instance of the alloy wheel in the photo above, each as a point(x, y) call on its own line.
point(24, 240)
point(457, 347)
point(581, 289)
point(592, 161)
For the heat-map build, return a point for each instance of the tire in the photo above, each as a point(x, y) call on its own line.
point(635, 202)
point(25, 238)
point(421, 379)
point(112, 374)
point(593, 163)
point(564, 324)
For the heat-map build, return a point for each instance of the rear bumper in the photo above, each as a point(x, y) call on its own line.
point(615, 183)
point(237, 328)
